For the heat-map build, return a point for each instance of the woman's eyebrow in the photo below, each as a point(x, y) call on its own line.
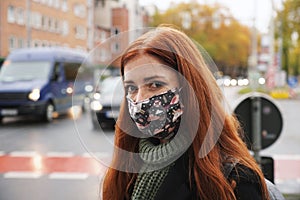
point(128, 81)
point(146, 79)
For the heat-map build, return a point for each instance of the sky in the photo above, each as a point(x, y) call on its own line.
point(243, 10)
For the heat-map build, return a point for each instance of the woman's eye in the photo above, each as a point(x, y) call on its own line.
point(130, 89)
point(156, 85)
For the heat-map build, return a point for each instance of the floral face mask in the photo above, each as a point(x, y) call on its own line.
point(159, 116)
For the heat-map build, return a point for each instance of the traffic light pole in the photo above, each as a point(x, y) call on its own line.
point(256, 127)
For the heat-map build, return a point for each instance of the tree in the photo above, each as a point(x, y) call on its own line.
point(214, 27)
point(288, 30)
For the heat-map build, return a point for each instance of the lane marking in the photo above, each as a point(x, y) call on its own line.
point(23, 154)
point(70, 176)
point(96, 155)
point(58, 154)
point(22, 175)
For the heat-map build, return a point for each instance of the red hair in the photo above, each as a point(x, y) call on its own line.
point(177, 51)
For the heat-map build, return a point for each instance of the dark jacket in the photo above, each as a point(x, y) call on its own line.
point(176, 184)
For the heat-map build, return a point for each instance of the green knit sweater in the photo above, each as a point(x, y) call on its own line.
point(158, 159)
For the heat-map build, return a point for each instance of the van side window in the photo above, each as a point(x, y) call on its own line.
point(71, 70)
point(55, 75)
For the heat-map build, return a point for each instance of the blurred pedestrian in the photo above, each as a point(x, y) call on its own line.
point(174, 139)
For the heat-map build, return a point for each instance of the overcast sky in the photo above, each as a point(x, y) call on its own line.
point(243, 10)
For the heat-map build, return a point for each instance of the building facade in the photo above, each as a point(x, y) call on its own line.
point(78, 24)
point(117, 23)
point(36, 23)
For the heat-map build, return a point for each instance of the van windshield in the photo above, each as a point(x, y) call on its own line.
point(25, 71)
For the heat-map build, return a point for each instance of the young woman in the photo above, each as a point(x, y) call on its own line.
point(174, 138)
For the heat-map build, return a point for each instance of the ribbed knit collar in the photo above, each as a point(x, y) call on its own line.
point(162, 155)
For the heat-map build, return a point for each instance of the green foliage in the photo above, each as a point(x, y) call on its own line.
point(288, 22)
point(222, 36)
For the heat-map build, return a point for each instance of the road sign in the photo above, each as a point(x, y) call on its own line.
point(264, 127)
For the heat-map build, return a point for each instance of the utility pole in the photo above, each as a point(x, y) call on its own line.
point(252, 62)
point(254, 41)
point(271, 36)
point(28, 26)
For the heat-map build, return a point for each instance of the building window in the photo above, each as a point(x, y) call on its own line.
point(52, 24)
point(115, 31)
point(115, 48)
point(20, 16)
point(45, 43)
point(36, 43)
point(64, 5)
point(102, 36)
point(11, 14)
point(103, 56)
point(56, 24)
point(21, 43)
point(45, 22)
point(36, 20)
point(79, 10)
point(12, 42)
point(50, 3)
point(80, 32)
point(65, 28)
point(56, 4)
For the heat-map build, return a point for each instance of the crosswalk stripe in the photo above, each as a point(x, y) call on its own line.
point(96, 154)
point(22, 175)
point(23, 153)
point(64, 176)
point(60, 154)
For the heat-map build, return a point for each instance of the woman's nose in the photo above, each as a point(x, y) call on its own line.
point(141, 95)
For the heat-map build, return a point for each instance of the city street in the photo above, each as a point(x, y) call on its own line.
point(66, 159)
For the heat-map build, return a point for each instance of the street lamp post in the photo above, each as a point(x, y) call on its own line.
point(28, 27)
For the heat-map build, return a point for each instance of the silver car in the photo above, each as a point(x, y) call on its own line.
point(105, 104)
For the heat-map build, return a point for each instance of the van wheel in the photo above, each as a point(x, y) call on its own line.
point(48, 114)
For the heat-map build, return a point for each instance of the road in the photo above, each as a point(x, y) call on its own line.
point(66, 159)
point(60, 160)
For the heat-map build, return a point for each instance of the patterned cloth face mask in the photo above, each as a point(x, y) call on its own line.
point(159, 116)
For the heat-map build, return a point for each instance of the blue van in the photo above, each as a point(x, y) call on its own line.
point(41, 81)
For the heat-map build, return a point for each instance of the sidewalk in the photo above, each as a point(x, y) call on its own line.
point(290, 189)
point(292, 197)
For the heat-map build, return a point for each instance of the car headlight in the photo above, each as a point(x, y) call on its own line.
point(34, 95)
point(88, 88)
point(96, 105)
point(69, 90)
point(96, 95)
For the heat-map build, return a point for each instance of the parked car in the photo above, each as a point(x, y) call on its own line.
point(41, 81)
point(105, 104)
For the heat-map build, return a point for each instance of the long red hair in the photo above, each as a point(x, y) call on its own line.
point(177, 51)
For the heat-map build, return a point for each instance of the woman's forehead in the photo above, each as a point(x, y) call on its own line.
point(147, 66)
